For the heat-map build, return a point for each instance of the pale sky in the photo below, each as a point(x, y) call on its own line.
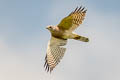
point(23, 40)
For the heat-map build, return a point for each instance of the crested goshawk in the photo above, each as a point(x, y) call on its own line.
point(60, 34)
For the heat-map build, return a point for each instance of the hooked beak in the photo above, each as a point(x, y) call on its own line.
point(46, 27)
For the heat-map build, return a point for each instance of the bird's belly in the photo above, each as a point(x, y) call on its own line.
point(67, 35)
point(59, 35)
point(63, 35)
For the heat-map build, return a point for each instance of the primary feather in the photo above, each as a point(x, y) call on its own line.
point(73, 20)
point(55, 52)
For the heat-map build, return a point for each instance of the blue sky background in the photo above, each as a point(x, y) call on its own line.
point(23, 40)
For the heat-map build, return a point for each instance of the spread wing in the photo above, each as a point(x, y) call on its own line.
point(55, 52)
point(73, 20)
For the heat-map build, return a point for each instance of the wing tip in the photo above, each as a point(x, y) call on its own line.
point(46, 66)
point(79, 9)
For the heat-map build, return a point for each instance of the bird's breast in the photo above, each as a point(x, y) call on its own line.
point(61, 34)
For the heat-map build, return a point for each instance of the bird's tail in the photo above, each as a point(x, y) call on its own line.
point(80, 38)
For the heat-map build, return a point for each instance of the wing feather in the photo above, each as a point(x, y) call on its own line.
point(73, 20)
point(55, 52)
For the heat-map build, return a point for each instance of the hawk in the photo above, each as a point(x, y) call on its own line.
point(59, 36)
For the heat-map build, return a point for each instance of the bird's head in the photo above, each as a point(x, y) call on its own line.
point(50, 28)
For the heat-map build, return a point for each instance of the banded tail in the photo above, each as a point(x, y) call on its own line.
point(80, 38)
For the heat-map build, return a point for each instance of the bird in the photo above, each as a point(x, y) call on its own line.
point(60, 34)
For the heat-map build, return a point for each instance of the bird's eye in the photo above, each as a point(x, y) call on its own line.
point(50, 27)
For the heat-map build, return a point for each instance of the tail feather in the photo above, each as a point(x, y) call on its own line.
point(81, 38)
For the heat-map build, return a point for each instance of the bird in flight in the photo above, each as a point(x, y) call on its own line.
point(59, 36)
